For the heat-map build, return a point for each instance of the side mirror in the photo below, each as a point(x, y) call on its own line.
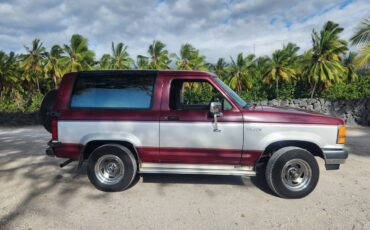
point(215, 108)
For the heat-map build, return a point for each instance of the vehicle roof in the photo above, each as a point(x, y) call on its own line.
point(167, 72)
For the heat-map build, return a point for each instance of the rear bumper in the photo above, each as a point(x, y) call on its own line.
point(50, 150)
point(334, 157)
point(64, 150)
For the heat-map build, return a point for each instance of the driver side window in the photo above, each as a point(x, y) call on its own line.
point(194, 95)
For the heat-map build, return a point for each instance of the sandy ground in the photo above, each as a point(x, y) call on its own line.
point(36, 194)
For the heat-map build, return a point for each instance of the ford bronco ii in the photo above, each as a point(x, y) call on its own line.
point(124, 123)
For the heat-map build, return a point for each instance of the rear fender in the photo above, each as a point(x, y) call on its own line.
point(122, 136)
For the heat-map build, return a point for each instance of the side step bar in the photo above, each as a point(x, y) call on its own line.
point(234, 170)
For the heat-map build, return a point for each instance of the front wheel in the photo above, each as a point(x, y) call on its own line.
point(292, 172)
point(111, 168)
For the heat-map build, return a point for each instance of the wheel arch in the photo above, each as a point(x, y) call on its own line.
point(311, 147)
point(92, 145)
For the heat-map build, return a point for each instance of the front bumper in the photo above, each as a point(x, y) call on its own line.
point(334, 157)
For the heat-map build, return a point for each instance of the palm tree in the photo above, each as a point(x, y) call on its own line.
point(120, 57)
point(241, 72)
point(78, 57)
point(220, 68)
point(349, 63)
point(142, 62)
point(105, 62)
point(362, 35)
point(158, 56)
point(282, 66)
point(325, 67)
point(190, 58)
point(52, 67)
point(8, 72)
point(362, 38)
point(32, 62)
point(262, 66)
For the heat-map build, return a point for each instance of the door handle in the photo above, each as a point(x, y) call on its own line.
point(172, 118)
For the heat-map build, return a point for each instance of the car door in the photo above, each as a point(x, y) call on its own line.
point(187, 128)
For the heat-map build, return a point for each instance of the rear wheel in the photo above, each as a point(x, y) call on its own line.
point(111, 168)
point(292, 172)
point(46, 108)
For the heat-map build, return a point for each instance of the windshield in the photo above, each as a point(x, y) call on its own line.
point(234, 95)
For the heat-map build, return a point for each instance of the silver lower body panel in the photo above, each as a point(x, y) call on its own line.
point(234, 170)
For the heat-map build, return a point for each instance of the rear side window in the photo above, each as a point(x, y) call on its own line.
point(115, 92)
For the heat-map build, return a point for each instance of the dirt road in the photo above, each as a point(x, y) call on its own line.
point(36, 194)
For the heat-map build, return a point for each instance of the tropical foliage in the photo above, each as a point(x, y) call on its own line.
point(32, 62)
point(241, 71)
point(324, 60)
point(77, 54)
point(52, 67)
point(283, 66)
point(159, 58)
point(190, 58)
point(326, 70)
point(362, 39)
point(8, 68)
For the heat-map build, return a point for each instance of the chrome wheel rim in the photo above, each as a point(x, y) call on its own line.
point(296, 174)
point(109, 169)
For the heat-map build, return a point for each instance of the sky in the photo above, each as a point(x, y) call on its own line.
point(218, 28)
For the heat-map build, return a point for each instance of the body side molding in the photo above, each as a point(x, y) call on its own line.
point(235, 170)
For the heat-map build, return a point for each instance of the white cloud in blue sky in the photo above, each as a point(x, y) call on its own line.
point(217, 28)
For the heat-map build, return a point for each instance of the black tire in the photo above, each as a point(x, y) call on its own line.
point(46, 108)
point(114, 152)
point(283, 178)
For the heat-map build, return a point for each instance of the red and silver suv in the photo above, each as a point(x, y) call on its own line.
point(184, 122)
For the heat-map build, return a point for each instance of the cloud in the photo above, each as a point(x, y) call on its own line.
point(217, 28)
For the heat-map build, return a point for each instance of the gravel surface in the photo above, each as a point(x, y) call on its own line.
point(36, 194)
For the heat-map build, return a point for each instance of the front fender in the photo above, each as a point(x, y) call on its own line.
point(289, 136)
point(257, 136)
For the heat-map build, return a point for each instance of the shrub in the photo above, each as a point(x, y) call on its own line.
point(19, 103)
point(35, 103)
point(287, 91)
point(349, 91)
point(14, 104)
point(254, 95)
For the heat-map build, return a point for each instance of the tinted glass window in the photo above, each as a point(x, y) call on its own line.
point(194, 95)
point(113, 92)
point(236, 97)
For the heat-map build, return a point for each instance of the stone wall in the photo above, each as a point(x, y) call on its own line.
point(18, 119)
point(355, 112)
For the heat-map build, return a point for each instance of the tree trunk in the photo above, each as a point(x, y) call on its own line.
point(38, 84)
point(238, 85)
point(37, 80)
point(313, 89)
point(55, 81)
point(277, 88)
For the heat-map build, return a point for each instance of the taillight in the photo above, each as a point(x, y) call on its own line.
point(341, 137)
point(54, 129)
